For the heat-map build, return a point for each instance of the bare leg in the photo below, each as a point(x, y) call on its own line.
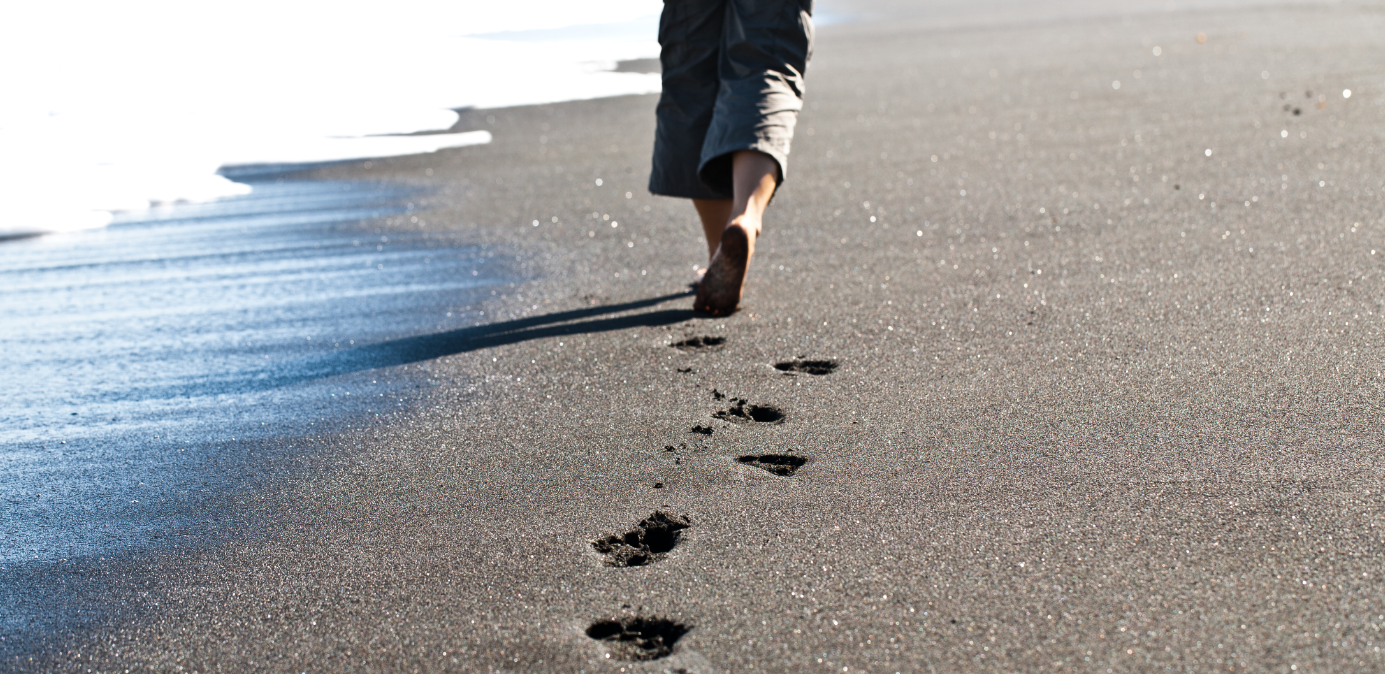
point(754, 176)
point(714, 213)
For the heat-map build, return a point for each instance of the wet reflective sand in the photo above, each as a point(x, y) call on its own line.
point(136, 353)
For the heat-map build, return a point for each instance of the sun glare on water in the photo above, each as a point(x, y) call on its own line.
point(117, 106)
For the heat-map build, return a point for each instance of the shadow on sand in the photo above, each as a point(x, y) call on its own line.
point(419, 348)
point(436, 345)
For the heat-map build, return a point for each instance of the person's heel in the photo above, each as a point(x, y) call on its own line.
point(719, 292)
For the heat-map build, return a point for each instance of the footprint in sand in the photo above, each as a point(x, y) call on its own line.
point(699, 342)
point(742, 412)
point(639, 637)
point(783, 465)
point(815, 367)
point(677, 460)
point(651, 539)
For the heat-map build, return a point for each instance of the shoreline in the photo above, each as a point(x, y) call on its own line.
point(141, 352)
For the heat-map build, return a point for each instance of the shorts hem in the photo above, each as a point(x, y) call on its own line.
point(715, 171)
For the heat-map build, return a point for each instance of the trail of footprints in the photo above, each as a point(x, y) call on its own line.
point(639, 637)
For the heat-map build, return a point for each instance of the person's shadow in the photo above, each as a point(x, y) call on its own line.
point(405, 350)
point(428, 347)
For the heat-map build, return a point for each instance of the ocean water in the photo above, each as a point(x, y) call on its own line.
point(137, 351)
point(112, 107)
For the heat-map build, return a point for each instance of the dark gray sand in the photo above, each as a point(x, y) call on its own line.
point(1103, 401)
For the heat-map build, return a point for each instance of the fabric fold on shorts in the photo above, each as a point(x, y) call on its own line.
point(733, 74)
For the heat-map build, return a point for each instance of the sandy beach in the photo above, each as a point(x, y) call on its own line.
point(1100, 302)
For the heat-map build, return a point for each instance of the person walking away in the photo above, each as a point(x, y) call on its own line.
point(732, 89)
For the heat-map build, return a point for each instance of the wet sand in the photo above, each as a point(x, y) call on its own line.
point(1137, 428)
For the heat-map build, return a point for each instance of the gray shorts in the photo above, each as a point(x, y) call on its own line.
point(732, 80)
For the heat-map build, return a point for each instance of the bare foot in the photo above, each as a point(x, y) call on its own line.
point(719, 292)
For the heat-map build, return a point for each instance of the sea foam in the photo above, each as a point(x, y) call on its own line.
point(119, 106)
